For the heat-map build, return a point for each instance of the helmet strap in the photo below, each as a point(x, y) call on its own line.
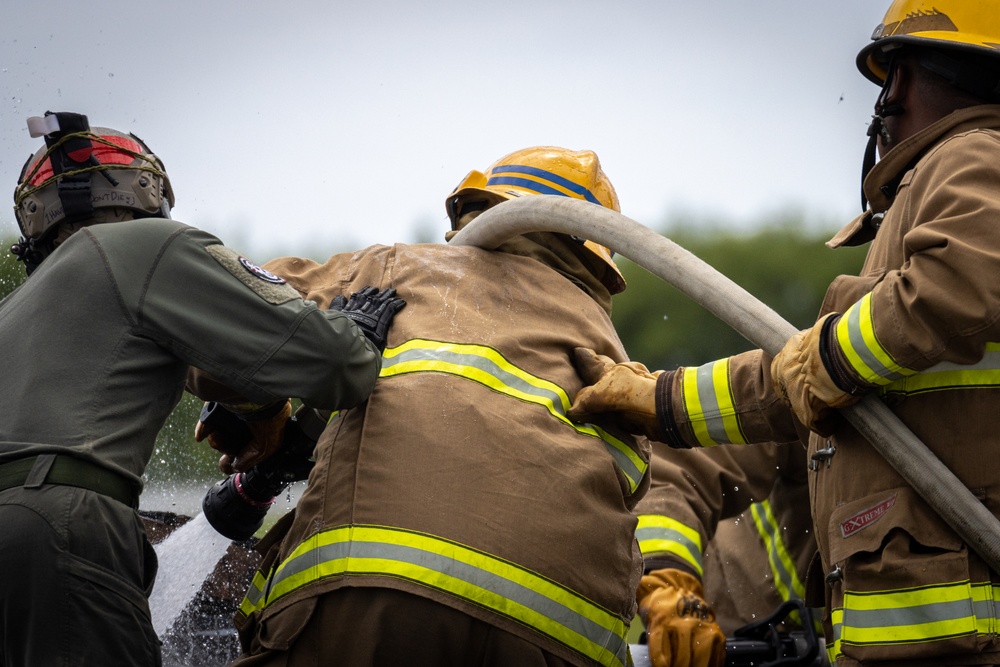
point(74, 189)
point(878, 129)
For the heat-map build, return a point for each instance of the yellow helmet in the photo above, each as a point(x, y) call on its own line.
point(543, 170)
point(961, 26)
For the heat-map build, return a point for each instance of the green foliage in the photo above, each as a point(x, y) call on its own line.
point(11, 271)
point(782, 265)
point(177, 458)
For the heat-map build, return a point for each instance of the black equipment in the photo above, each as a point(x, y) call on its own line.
point(236, 506)
point(762, 644)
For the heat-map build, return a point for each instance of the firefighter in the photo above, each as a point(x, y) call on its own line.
point(705, 574)
point(458, 517)
point(758, 558)
point(919, 328)
point(732, 522)
point(95, 347)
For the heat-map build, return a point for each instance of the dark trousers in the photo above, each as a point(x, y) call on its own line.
point(380, 627)
point(76, 572)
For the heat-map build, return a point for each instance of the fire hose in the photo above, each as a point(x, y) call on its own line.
point(756, 322)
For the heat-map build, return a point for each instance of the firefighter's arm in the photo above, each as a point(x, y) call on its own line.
point(680, 625)
point(264, 424)
point(728, 401)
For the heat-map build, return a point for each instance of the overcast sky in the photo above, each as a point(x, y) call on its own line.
point(307, 127)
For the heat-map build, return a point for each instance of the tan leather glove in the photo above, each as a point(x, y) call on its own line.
point(266, 426)
point(624, 393)
point(802, 380)
point(680, 626)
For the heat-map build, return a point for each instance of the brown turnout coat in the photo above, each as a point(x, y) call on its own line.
point(461, 479)
point(898, 583)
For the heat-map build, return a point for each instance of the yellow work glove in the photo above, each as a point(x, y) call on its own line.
point(266, 426)
point(680, 626)
point(803, 381)
point(624, 393)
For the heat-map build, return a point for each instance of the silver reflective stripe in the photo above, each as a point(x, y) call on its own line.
point(625, 457)
point(658, 534)
point(858, 340)
point(255, 594)
point(914, 616)
point(484, 580)
point(786, 579)
point(543, 394)
point(488, 367)
point(947, 375)
point(709, 404)
point(928, 613)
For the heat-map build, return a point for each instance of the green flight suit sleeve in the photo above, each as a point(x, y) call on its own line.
point(240, 324)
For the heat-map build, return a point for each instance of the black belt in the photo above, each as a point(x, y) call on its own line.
point(67, 471)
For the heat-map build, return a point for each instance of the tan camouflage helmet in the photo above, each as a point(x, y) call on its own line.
point(81, 170)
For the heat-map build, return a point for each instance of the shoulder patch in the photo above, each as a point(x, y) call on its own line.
point(263, 274)
point(268, 286)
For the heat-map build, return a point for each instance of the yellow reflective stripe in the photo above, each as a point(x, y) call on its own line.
point(659, 534)
point(786, 579)
point(627, 459)
point(866, 355)
point(480, 578)
point(946, 375)
point(254, 599)
point(916, 615)
point(984, 600)
point(491, 369)
point(833, 646)
point(707, 394)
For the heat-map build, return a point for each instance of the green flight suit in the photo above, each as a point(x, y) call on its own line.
point(95, 348)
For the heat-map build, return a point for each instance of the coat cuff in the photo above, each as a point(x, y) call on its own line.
point(834, 362)
point(669, 432)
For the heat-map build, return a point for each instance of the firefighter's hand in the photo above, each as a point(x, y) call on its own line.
point(680, 626)
point(266, 426)
point(803, 381)
point(623, 394)
point(372, 311)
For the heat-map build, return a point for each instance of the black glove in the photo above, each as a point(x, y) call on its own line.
point(371, 310)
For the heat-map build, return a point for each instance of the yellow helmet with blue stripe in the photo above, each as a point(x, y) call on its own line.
point(542, 170)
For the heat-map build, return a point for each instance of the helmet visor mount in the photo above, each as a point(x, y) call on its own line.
point(83, 175)
point(82, 169)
